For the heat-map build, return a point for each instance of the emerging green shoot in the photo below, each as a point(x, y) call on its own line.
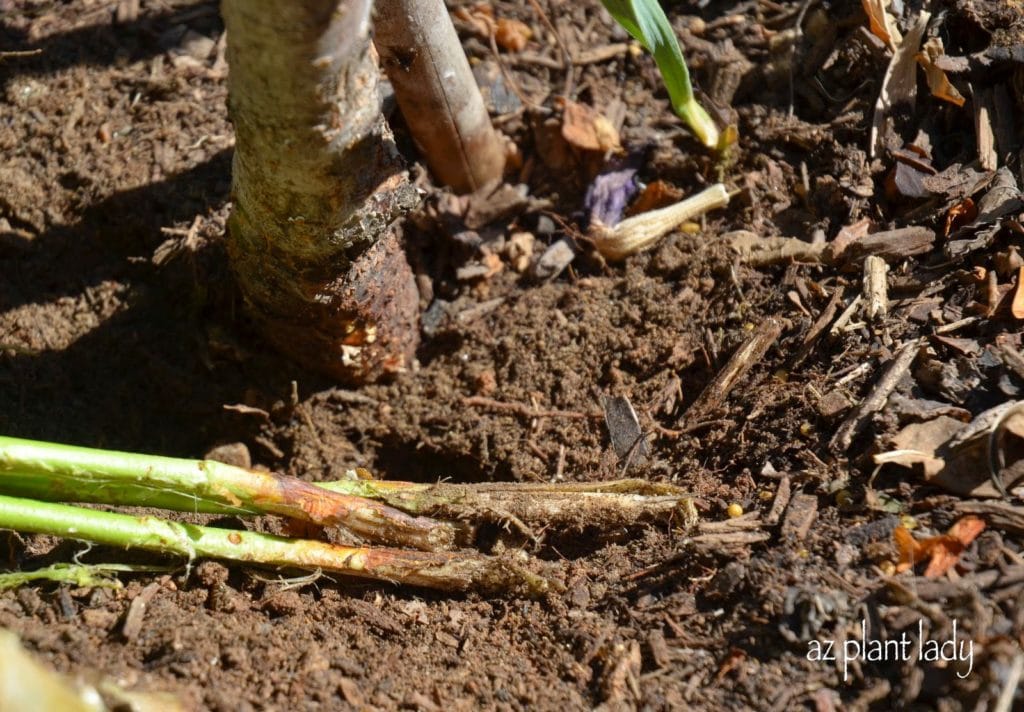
point(646, 22)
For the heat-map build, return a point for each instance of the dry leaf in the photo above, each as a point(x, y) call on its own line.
point(1017, 307)
point(480, 17)
point(960, 214)
point(656, 195)
point(512, 35)
point(938, 82)
point(587, 130)
point(899, 86)
point(947, 549)
point(882, 24)
point(944, 551)
point(907, 547)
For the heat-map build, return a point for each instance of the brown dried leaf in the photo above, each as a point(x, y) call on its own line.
point(944, 551)
point(656, 195)
point(899, 86)
point(960, 214)
point(938, 82)
point(882, 23)
point(480, 17)
point(1017, 307)
point(512, 35)
point(907, 547)
point(586, 129)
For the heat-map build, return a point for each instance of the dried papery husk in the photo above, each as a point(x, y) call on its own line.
point(643, 231)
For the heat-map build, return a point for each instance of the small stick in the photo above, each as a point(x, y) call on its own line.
point(876, 288)
point(956, 325)
point(819, 326)
point(444, 571)
point(567, 58)
point(899, 365)
point(845, 317)
point(567, 505)
point(1010, 686)
point(749, 353)
point(436, 92)
point(526, 411)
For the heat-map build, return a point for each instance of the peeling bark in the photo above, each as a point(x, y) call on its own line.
point(316, 185)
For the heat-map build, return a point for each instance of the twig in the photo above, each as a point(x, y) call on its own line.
point(526, 411)
point(570, 79)
point(845, 317)
point(749, 353)
point(16, 53)
point(819, 326)
point(899, 365)
point(510, 80)
point(1009, 691)
point(595, 55)
point(958, 324)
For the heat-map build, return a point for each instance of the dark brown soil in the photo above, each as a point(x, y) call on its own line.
point(120, 328)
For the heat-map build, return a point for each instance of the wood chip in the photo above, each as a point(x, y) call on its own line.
point(890, 245)
point(137, 612)
point(899, 85)
point(985, 137)
point(819, 326)
point(800, 516)
point(750, 352)
point(876, 288)
point(899, 365)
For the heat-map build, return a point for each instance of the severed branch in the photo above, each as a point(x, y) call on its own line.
point(437, 94)
point(34, 475)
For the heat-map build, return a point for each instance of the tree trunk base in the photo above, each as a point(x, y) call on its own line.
point(358, 327)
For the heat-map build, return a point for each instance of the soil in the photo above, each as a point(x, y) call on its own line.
point(120, 327)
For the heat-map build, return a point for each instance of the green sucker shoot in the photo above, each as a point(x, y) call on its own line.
point(647, 23)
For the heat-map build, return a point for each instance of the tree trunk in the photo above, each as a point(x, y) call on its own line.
point(316, 184)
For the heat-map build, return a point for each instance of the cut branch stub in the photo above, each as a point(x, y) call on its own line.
point(316, 184)
point(436, 92)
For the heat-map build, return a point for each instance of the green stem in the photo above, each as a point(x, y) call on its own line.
point(56, 472)
point(445, 571)
point(64, 473)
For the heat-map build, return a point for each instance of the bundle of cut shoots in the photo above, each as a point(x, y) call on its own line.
point(401, 532)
